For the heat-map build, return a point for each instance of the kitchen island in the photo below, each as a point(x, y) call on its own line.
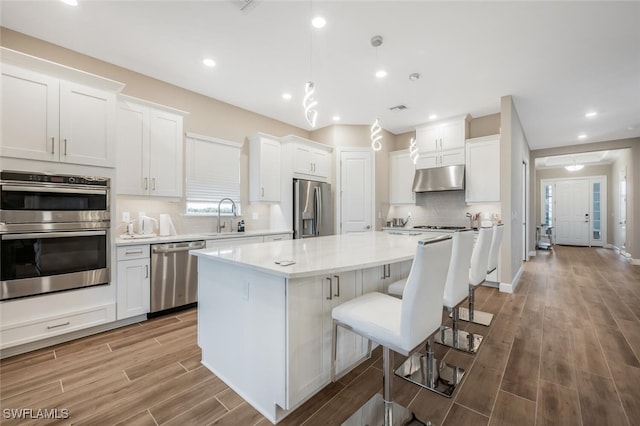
point(264, 325)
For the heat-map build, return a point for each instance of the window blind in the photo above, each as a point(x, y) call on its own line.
point(212, 169)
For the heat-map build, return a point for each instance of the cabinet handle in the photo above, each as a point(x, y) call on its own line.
point(153, 184)
point(388, 270)
point(53, 145)
point(146, 271)
point(337, 286)
point(49, 327)
point(133, 251)
point(65, 146)
point(262, 192)
point(330, 297)
point(146, 183)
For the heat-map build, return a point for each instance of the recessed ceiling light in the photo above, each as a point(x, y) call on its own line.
point(336, 118)
point(433, 117)
point(591, 114)
point(318, 22)
point(286, 96)
point(209, 62)
point(582, 136)
point(70, 2)
point(381, 73)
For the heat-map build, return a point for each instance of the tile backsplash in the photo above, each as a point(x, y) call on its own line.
point(443, 208)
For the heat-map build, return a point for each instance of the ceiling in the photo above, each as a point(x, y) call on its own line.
point(559, 60)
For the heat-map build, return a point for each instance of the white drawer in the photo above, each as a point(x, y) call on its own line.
point(277, 237)
point(140, 251)
point(41, 328)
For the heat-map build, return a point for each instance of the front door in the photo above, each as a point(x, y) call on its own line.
point(572, 208)
point(357, 185)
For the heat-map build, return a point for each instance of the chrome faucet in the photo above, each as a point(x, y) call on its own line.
point(233, 210)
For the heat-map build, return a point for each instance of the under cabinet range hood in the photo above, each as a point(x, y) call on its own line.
point(448, 178)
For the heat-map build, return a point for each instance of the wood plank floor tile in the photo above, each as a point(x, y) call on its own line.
point(587, 353)
point(482, 378)
point(631, 332)
point(557, 405)
point(599, 401)
point(229, 398)
point(309, 408)
point(429, 406)
point(244, 414)
point(521, 373)
point(143, 418)
point(511, 409)
point(627, 381)
point(462, 416)
point(204, 413)
point(615, 346)
point(555, 364)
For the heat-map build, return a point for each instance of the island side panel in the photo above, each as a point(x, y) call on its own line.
point(242, 331)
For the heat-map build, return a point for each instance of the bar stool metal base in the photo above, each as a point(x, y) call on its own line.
point(441, 378)
point(479, 317)
point(374, 412)
point(466, 342)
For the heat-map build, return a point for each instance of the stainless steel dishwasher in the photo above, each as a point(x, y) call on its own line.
point(174, 275)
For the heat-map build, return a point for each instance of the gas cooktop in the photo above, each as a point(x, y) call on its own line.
point(443, 227)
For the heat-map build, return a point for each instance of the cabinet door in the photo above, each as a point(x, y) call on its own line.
point(401, 174)
point(452, 135)
point(302, 159)
point(87, 125)
point(320, 163)
point(30, 121)
point(428, 161)
point(133, 150)
point(270, 155)
point(452, 157)
point(427, 138)
point(482, 182)
point(165, 154)
point(133, 288)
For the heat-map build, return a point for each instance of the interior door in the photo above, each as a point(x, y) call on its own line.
point(572, 208)
point(356, 191)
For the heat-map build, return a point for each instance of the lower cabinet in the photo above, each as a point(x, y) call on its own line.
point(225, 242)
point(133, 281)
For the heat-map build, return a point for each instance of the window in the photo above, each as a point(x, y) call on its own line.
point(212, 173)
point(596, 225)
point(547, 218)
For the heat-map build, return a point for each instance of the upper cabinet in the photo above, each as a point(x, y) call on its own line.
point(442, 143)
point(482, 180)
point(311, 160)
point(55, 113)
point(401, 174)
point(264, 168)
point(150, 139)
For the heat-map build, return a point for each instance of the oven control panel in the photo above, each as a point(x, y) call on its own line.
point(7, 175)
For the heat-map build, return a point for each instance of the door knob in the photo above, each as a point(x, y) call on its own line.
point(368, 227)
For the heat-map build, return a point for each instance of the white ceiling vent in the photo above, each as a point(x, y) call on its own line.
point(398, 108)
point(244, 5)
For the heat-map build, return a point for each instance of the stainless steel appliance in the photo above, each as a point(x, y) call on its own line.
point(312, 212)
point(174, 275)
point(440, 227)
point(54, 233)
point(447, 178)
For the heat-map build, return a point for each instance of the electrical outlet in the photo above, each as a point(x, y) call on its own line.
point(409, 215)
point(254, 215)
point(126, 217)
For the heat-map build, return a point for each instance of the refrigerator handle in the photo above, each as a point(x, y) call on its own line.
point(296, 209)
point(318, 200)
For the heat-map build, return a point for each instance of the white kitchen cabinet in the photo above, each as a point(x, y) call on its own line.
point(52, 119)
point(401, 174)
point(310, 160)
point(133, 282)
point(378, 278)
point(150, 155)
point(277, 237)
point(265, 159)
point(226, 242)
point(442, 143)
point(312, 299)
point(482, 181)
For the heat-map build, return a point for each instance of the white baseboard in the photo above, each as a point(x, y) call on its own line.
point(533, 253)
point(511, 287)
point(634, 261)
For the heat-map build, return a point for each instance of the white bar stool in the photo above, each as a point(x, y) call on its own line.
point(397, 325)
point(477, 275)
point(455, 293)
point(496, 240)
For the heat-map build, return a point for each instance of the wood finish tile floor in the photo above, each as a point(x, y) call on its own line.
point(564, 349)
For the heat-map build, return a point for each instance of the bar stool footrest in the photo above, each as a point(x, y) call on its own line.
point(445, 337)
point(374, 411)
point(444, 377)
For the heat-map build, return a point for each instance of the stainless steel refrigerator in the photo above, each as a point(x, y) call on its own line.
point(312, 211)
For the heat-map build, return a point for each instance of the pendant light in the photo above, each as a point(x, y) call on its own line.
point(309, 103)
point(376, 130)
point(413, 150)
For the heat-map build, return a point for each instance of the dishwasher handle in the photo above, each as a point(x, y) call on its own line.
point(177, 247)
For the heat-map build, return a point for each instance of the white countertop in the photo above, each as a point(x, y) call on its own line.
point(196, 237)
point(320, 255)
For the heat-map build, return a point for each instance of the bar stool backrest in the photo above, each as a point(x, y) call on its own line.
point(480, 257)
point(424, 293)
point(496, 240)
point(456, 288)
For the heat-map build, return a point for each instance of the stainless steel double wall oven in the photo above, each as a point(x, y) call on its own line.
point(54, 233)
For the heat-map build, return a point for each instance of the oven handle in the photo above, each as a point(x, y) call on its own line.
point(52, 235)
point(18, 188)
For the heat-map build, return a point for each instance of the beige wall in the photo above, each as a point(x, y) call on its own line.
point(484, 126)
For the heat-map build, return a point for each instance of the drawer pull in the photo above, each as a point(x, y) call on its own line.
point(49, 327)
point(133, 251)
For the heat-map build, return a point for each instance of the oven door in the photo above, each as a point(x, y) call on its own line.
point(47, 203)
point(43, 262)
